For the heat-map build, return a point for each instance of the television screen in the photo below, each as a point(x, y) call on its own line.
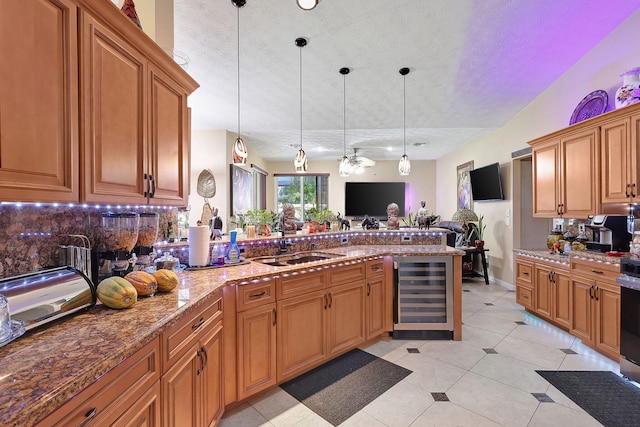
point(486, 183)
point(372, 198)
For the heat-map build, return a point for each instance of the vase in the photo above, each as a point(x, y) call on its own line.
point(629, 92)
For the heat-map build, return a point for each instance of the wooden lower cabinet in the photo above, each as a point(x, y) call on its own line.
point(256, 350)
point(375, 307)
point(192, 392)
point(551, 293)
point(301, 333)
point(345, 321)
point(524, 282)
point(146, 412)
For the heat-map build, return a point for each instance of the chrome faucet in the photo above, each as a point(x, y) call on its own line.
point(284, 244)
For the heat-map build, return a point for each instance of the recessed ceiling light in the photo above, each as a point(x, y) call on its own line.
point(419, 144)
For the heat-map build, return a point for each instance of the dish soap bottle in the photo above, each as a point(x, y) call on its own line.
point(233, 251)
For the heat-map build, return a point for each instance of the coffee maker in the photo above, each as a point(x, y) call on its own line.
point(610, 233)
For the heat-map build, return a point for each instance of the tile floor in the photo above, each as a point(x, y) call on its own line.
point(488, 378)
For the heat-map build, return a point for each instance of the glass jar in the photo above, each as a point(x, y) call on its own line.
point(148, 229)
point(5, 319)
point(554, 237)
point(120, 230)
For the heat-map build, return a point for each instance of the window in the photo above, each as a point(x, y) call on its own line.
point(303, 192)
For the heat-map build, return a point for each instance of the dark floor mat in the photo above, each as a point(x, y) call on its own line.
point(610, 399)
point(341, 387)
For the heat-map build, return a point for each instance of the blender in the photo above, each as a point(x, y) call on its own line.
point(120, 234)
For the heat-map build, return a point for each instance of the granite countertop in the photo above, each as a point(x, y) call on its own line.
point(46, 367)
point(566, 257)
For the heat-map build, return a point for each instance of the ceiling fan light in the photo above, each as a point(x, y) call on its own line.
point(300, 162)
point(240, 153)
point(404, 167)
point(345, 167)
point(307, 4)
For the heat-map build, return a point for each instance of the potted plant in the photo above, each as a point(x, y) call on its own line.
point(262, 219)
point(479, 243)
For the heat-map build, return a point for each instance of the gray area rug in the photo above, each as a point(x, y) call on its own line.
point(612, 400)
point(343, 386)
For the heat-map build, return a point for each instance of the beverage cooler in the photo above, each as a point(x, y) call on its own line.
point(423, 297)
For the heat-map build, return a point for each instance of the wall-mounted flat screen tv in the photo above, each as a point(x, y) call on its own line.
point(486, 183)
point(372, 198)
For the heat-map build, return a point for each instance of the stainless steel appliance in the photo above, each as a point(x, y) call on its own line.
point(629, 282)
point(423, 307)
point(610, 233)
point(43, 296)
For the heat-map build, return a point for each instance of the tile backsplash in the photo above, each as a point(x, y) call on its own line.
point(30, 235)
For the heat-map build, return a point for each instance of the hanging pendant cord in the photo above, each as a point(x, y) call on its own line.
point(238, 72)
point(404, 115)
point(301, 97)
point(344, 113)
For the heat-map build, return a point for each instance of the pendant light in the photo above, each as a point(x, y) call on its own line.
point(404, 167)
point(345, 165)
point(300, 162)
point(240, 153)
point(307, 4)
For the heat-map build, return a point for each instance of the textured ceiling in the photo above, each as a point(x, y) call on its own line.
point(474, 65)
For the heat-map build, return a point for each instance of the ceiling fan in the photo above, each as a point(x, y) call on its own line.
point(360, 161)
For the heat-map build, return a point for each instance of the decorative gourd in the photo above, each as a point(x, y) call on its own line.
point(167, 279)
point(116, 292)
point(144, 282)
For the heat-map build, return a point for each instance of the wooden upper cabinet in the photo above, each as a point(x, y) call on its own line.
point(39, 145)
point(114, 83)
point(619, 158)
point(565, 175)
point(168, 140)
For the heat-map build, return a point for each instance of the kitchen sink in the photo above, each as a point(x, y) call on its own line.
point(296, 258)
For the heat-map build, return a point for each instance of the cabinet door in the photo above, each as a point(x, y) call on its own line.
point(180, 391)
point(546, 184)
point(256, 350)
point(582, 308)
point(114, 139)
point(634, 158)
point(301, 333)
point(211, 396)
point(375, 307)
point(615, 160)
point(346, 317)
point(168, 141)
point(561, 299)
point(145, 412)
point(39, 141)
point(580, 174)
point(543, 291)
point(608, 320)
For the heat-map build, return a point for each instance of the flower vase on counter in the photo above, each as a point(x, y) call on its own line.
point(629, 92)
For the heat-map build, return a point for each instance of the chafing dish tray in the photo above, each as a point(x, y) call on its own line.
point(43, 296)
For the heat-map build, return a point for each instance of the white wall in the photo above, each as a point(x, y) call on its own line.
point(599, 69)
point(422, 181)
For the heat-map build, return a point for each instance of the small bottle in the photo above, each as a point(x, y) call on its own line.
point(233, 251)
point(170, 234)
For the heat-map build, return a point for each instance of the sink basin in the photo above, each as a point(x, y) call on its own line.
point(293, 259)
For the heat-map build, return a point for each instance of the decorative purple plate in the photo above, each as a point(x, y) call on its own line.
point(592, 105)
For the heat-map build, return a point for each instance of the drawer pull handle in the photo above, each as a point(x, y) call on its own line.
point(376, 268)
point(88, 416)
point(197, 325)
point(258, 295)
point(597, 271)
point(525, 296)
point(525, 273)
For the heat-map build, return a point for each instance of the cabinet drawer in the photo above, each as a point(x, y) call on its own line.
point(120, 386)
point(375, 267)
point(296, 284)
point(256, 294)
point(524, 296)
point(595, 269)
point(178, 338)
point(524, 271)
point(347, 274)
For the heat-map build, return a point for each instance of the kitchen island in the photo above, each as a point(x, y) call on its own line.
point(47, 367)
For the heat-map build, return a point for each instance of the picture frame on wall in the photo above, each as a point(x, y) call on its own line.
point(241, 190)
point(465, 200)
